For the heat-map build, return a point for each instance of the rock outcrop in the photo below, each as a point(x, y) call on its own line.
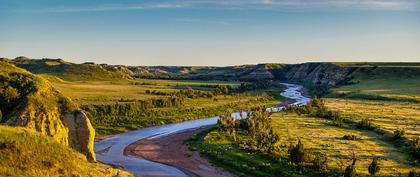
point(31, 102)
point(324, 75)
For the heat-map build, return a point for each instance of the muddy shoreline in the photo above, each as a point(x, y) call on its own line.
point(172, 151)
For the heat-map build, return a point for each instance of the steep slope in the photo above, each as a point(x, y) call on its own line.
point(27, 153)
point(71, 71)
point(318, 74)
point(29, 101)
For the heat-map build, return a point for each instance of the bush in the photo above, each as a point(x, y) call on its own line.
point(351, 169)
point(297, 153)
point(374, 167)
point(413, 173)
point(320, 163)
point(366, 124)
point(227, 123)
point(415, 148)
point(350, 137)
point(399, 133)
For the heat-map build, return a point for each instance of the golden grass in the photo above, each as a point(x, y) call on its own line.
point(318, 136)
point(87, 92)
point(28, 153)
point(387, 115)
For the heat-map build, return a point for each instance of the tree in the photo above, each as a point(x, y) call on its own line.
point(351, 169)
point(374, 167)
point(10, 94)
point(413, 173)
point(1, 116)
point(297, 153)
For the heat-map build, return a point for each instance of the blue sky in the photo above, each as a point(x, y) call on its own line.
point(211, 32)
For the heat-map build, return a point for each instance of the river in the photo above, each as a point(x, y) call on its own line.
point(115, 145)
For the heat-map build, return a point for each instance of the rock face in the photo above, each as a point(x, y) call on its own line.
point(38, 106)
point(81, 133)
point(318, 74)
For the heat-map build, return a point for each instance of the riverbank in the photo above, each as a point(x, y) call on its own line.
point(171, 150)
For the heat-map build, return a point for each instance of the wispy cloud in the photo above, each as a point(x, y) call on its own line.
point(242, 4)
point(108, 7)
point(203, 21)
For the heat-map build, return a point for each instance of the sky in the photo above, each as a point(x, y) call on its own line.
point(211, 32)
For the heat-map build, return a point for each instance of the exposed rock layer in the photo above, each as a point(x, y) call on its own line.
point(40, 107)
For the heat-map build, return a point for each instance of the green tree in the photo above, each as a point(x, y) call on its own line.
point(374, 167)
point(351, 169)
point(10, 94)
point(297, 153)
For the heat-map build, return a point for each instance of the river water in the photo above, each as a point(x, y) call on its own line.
point(145, 168)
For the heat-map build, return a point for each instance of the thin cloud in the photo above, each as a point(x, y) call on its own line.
point(206, 21)
point(108, 7)
point(244, 4)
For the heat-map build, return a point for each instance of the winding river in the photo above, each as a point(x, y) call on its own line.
point(111, 150)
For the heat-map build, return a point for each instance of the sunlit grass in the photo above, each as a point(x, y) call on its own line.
point(319, 136)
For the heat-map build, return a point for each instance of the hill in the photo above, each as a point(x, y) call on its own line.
point(27, 100)
point(28, 153)
point(73, 72)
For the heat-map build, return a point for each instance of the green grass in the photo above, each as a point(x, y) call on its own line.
point(93, 92)
point(30, 154)
point(319, 136)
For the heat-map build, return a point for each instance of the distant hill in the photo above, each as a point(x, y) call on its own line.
point(30, 154)
point(317, 74)
point(29, 101)
point(73, 72)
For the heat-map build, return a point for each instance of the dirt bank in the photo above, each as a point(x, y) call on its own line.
point(171, 150)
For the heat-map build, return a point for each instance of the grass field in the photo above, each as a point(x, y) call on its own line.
point(386, 115)
point(318, 136)
point(91, 93)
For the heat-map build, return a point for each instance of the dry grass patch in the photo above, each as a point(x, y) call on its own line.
point(387, 115)
point(318, 136)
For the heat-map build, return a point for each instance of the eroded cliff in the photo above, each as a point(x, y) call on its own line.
point(31, 102)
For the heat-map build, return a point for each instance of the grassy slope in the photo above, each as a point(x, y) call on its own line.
point(27, 153)
point(383, 83)
point(74, 72)
point(318, 136)
point(390, 99)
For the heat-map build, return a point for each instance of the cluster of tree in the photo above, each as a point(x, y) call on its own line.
point(12, 86)
point(257, 125)
point(132, 109)
point(316, 108)
point(244, 87)
point(189, 93)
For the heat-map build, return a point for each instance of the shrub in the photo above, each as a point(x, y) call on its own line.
point(415, 148)
point(351, 169)
point(297, 153)
point(366, 124)
point(227, 123)
point(350, 137)
point(399, 133)
point(320, 163)
point(413, 173)
point(374, 167)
